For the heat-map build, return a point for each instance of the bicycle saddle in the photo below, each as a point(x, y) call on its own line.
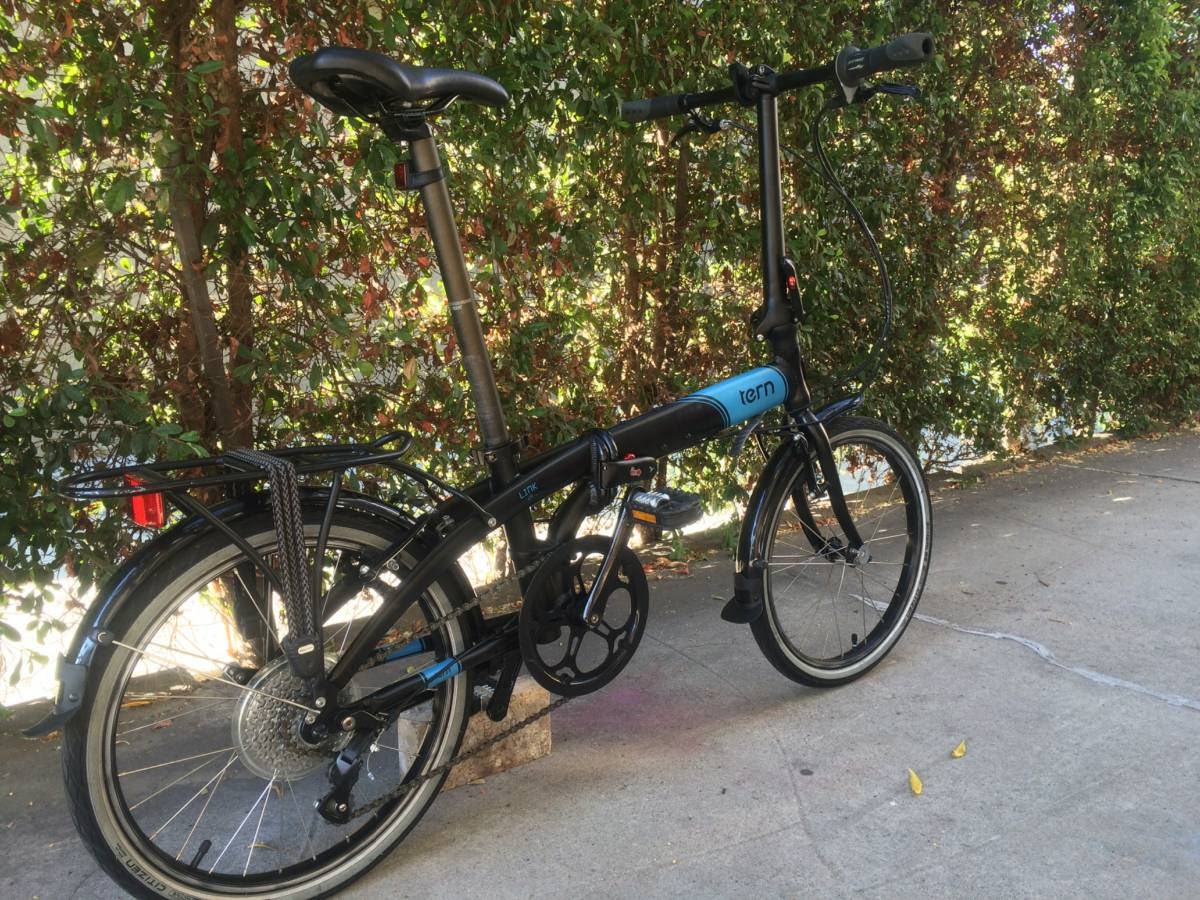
point(353, 82)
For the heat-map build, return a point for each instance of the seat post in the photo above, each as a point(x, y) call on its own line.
point(440, 217)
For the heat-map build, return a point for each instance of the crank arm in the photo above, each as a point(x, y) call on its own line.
point(593, 609)
point(497, 707)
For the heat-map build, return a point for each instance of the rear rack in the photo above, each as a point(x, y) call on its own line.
point(154, 478)
point(299, 584)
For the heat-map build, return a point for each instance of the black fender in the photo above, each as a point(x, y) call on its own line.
point(779, 471)
point(74, 665)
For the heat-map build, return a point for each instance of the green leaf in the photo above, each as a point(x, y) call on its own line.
point(211, 65)
point(118, 195)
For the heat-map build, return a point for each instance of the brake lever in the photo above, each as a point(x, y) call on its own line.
point(697, 122)
point(900, 90)
point(867, 91)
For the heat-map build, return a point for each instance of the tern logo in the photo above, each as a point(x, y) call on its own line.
point(760, 392)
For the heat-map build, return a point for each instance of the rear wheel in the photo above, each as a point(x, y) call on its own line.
point(184, 768)
point(831, 615)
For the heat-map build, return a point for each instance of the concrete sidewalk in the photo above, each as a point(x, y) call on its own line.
point(1059, 636)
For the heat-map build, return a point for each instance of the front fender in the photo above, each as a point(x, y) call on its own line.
point(115, 593)
point(749, 564)
point(747, 603)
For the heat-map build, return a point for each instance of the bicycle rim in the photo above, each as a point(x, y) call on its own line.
point(831, 617)
point(204, 778)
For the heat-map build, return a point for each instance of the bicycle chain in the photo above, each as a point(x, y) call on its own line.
point(408, 787)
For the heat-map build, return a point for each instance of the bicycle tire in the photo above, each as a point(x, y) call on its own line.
point(789, 609)
point(121, 844)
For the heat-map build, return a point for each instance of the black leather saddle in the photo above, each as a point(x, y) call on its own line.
point(354, 82)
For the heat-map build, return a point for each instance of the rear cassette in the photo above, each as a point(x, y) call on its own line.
point(563, 653)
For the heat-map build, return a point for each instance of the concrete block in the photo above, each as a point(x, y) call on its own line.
point(523, 747)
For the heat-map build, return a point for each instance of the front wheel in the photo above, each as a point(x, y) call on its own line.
point(830, 614)
point(185, 770)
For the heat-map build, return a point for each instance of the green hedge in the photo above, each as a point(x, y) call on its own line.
point(1038, 209)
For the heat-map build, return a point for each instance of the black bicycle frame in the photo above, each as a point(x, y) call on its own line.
point(514, 486)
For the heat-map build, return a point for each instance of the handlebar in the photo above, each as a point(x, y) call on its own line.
point(850, 68)
point(853, 66)
point(672, 104)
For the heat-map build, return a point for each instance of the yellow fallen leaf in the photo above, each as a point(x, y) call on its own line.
point(914, 782)
point(960, 751)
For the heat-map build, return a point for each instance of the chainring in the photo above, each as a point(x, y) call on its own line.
point(563, 653)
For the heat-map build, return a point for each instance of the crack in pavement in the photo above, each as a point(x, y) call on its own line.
point(1137, 474)
point(1048, 655)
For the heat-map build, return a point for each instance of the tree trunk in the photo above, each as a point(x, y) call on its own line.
point(195, 289)
point(238, 319)
point(187, 208)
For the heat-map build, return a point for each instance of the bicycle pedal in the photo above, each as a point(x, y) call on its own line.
point(483, 692)
point(667, 508)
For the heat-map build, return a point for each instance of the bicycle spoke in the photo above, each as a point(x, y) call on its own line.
point(891, 589)
point(863, 584)
point(887, 503)
point(245, 819)
point(890, 537)
point(307, 848)
point(216, 783)
point(188, 802)
point(258, 827)
point(172, 718)
point(262, 613)
point(240, 687)
point(175, 762)
point(171, 784)
point(837, 625)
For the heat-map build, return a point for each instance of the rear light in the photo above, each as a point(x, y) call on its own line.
point(147, 510)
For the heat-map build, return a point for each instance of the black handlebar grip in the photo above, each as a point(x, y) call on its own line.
point(652, 108)
point(853, 66)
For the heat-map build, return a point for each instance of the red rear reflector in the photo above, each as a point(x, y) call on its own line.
point(400, 170)
point(146, 510)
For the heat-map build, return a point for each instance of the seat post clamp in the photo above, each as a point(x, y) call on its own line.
point(485, 456)
point(407, 179)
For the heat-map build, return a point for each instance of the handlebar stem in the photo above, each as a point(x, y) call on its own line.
point(777, 311)
point(777, 324)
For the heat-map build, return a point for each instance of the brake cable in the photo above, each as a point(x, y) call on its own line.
point(865, 371)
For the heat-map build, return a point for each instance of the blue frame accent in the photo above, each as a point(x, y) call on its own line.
point(412, 648)
point(435, 673)
point(744, 396)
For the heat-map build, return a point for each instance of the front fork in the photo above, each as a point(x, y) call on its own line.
point(809, 439)
point(817, 440)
